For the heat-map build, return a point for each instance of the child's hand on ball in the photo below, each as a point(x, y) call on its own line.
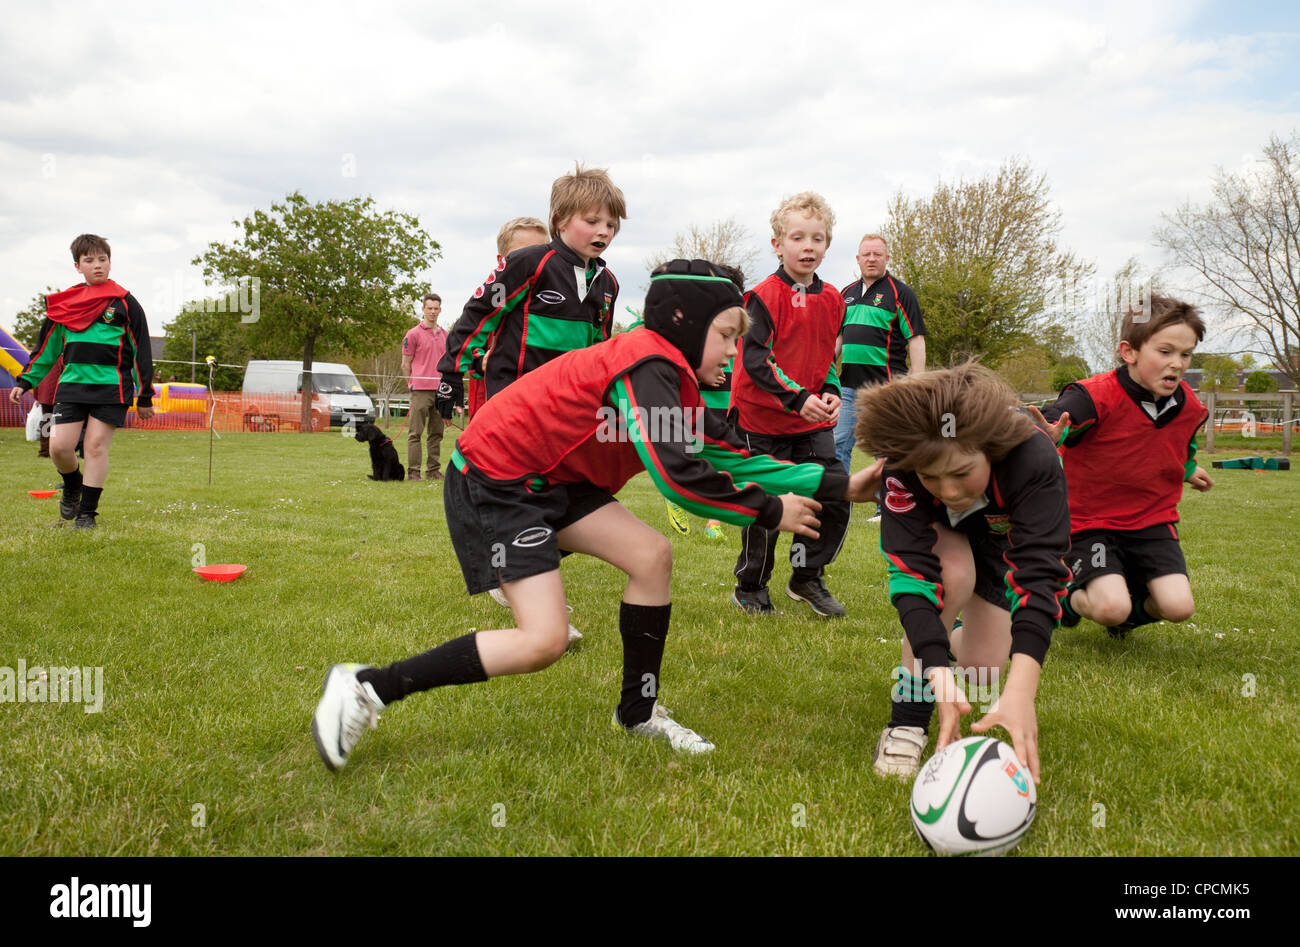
point(951, 702)
point(1014, 712)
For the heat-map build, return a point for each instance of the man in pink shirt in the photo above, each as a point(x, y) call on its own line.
point(421, 349)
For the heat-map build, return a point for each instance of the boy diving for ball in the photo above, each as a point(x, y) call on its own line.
point(976, 524)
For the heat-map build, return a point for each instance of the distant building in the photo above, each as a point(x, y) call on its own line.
point(1193, 377)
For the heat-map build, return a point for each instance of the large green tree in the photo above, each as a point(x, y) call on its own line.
point(983, 259)
point(333, 275)
point(199, 331)
point(27, 321)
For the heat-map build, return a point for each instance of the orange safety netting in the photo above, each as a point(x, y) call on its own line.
point(180, 407)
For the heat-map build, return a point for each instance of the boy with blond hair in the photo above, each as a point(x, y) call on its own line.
point(1130, 444)
point(102, 333)
point(786, 397)
point(545, 300)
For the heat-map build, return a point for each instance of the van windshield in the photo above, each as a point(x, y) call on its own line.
point(329, 383)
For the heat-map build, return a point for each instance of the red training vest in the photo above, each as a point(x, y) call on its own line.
point(1128, 474)
point(551, 421)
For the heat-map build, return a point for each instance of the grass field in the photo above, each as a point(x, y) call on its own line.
point(1179, 741)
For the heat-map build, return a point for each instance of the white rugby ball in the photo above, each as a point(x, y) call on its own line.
point(973, 798)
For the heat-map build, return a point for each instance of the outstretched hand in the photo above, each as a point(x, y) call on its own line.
point(1054, 431)
point(799, 515)
point(865, 484)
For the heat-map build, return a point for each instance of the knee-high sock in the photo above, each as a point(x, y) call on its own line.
point(644, 629)
point(455, 662)
point(911, 709)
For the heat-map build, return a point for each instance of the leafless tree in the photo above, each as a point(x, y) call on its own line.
point(724, 241)
point(1244, 245)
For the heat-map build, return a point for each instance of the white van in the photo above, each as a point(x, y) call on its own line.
point(333, 379)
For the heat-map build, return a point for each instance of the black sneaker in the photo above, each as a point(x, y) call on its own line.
point(818, 597)
point(85, 521)
point(753, 603)
point(1120, 632)
point(68, 505)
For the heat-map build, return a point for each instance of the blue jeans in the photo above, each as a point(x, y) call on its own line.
point(844, 428)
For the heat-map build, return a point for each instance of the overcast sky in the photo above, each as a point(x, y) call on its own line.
point(156, 126)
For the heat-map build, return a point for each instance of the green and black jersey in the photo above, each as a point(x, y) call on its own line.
point(879, 321)
point(108, 362)
point(540, 302)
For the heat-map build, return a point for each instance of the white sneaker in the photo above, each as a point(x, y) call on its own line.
point(660, 726)
point(347, 708)
point(899, 751)
point(499, 597)
point(874, 519)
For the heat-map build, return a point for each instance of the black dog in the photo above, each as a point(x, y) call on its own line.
point(383, 456)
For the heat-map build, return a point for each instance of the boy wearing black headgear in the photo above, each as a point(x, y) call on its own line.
point(516, 505)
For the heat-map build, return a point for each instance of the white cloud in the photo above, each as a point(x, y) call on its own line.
point(164, 122)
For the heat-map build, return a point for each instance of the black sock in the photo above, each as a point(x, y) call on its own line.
point(89, 500)
point(911, 709)
point(1138, 614)
point(644, 629)
point(1069, 617)
point(72, 484)
point(455, 662)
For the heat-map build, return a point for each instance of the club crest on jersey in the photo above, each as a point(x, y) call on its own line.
point(880, 297)
point(897, 497)
point(108, 314)
point(999, 523)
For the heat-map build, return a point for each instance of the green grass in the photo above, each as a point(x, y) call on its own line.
point(210, 687)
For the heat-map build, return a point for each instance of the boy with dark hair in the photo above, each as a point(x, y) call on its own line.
point(543, 300)
point(1130, 444)
point(976, 524)
point(787, 397)
point(102, 333)
point(516, 504)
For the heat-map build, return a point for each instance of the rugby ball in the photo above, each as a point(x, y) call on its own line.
point(973, 798)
